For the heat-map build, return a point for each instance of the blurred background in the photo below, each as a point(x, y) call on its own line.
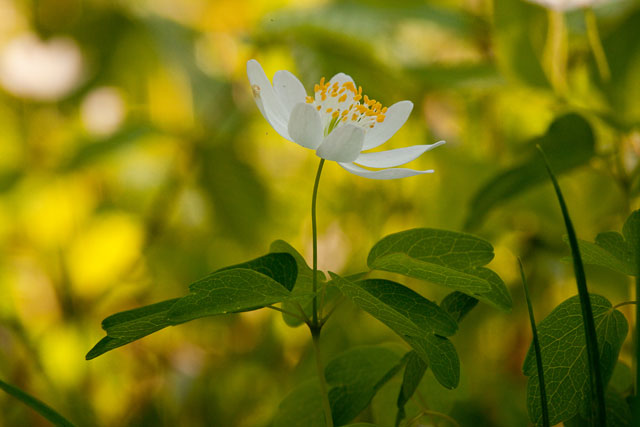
point(133, 161)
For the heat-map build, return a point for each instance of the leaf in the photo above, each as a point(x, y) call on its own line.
point(304, 283)
point(248, 286)
point(413, 373)
point(597, 405)
point(355, 376)
point(443, 257)
point(566, 371)
point(302, 407)
point(517, 55)
point(458, 305)
point(37, 405)
point(413, 317)
point(618, 413)
point(618, 252)
point(568, 143)
point(131, 325)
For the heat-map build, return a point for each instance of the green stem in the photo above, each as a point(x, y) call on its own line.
point(636, 341)
point(596, 44)
point(315, 335)
point(315, 325)
point(625, 303)
point(314, 230)
point(556, 51)
point(536, 346)
point(598, 409)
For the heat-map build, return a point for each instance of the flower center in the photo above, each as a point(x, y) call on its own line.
point(342, 103)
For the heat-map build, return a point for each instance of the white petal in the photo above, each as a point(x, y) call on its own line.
point(397, 157)
point(266, 100)
point(341, 78)
point(393, 173)
point(288, 89)
point(343, 144)
point(305, 126)
point(395, 117)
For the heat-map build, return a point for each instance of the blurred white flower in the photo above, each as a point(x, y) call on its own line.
point(40, 70)
point(338, 122)
point(102, 111)
point(566, 5)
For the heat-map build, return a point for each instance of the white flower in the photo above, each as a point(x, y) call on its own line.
point(566, 5)
point(338, 122)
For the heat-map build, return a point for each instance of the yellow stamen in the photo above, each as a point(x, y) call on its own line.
point(342, 98)
point(335, 114)
point(309, 100)
point(329, 110)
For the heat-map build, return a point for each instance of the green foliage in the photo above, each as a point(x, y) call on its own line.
point(413, 373)
point(248, 286)
point(40, 407)
point(303, 285)
point(443, 257)
point(618, 252)
point(569, 142)
point(355, 376)
point(413, 317)
point(302, 407)
point(517, 54)
point(458, 305)
point(566, 371)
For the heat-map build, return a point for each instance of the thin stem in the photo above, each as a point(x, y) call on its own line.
point(324, 319)
point(315, 335)
point(625, 303)
point(596, 44)
point(556, 51)
point(635, 407)
point(314, 230)
point(536, 346)
point(287, 312)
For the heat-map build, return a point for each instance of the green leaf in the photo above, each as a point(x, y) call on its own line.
point(302, 407)
point(131, 325)
point(568, 143)
point(355, 376)
point(413, 317)
point(566, 371)
point(458, 305)
point(597, 405)
point(618, 252)
point(413, 373)
point(226, 292)
point(37, 405)
point(443, 257)
point(248, 286)
point(303, 285)
point(517, 54)
point(618, 413)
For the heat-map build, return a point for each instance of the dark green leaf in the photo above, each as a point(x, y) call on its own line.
point(128, 326)
point(302, 407)
point(597, 404)
point(518, 56)
point(564, 357)
point(227, 291)
point(303, 285)
point(443, 257)
point(618, 252)
point(355, 376)
point(37, 405)
point(414, 318)
point(248, 286)
point(413, 373)
point(458, 305)
point(568, 143)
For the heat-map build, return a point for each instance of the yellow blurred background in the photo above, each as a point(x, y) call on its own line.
point(133, 161)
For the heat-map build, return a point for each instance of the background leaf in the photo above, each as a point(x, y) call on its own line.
point(355, 376)
point(413, 373)
point(302, 407)
point(568, 143)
